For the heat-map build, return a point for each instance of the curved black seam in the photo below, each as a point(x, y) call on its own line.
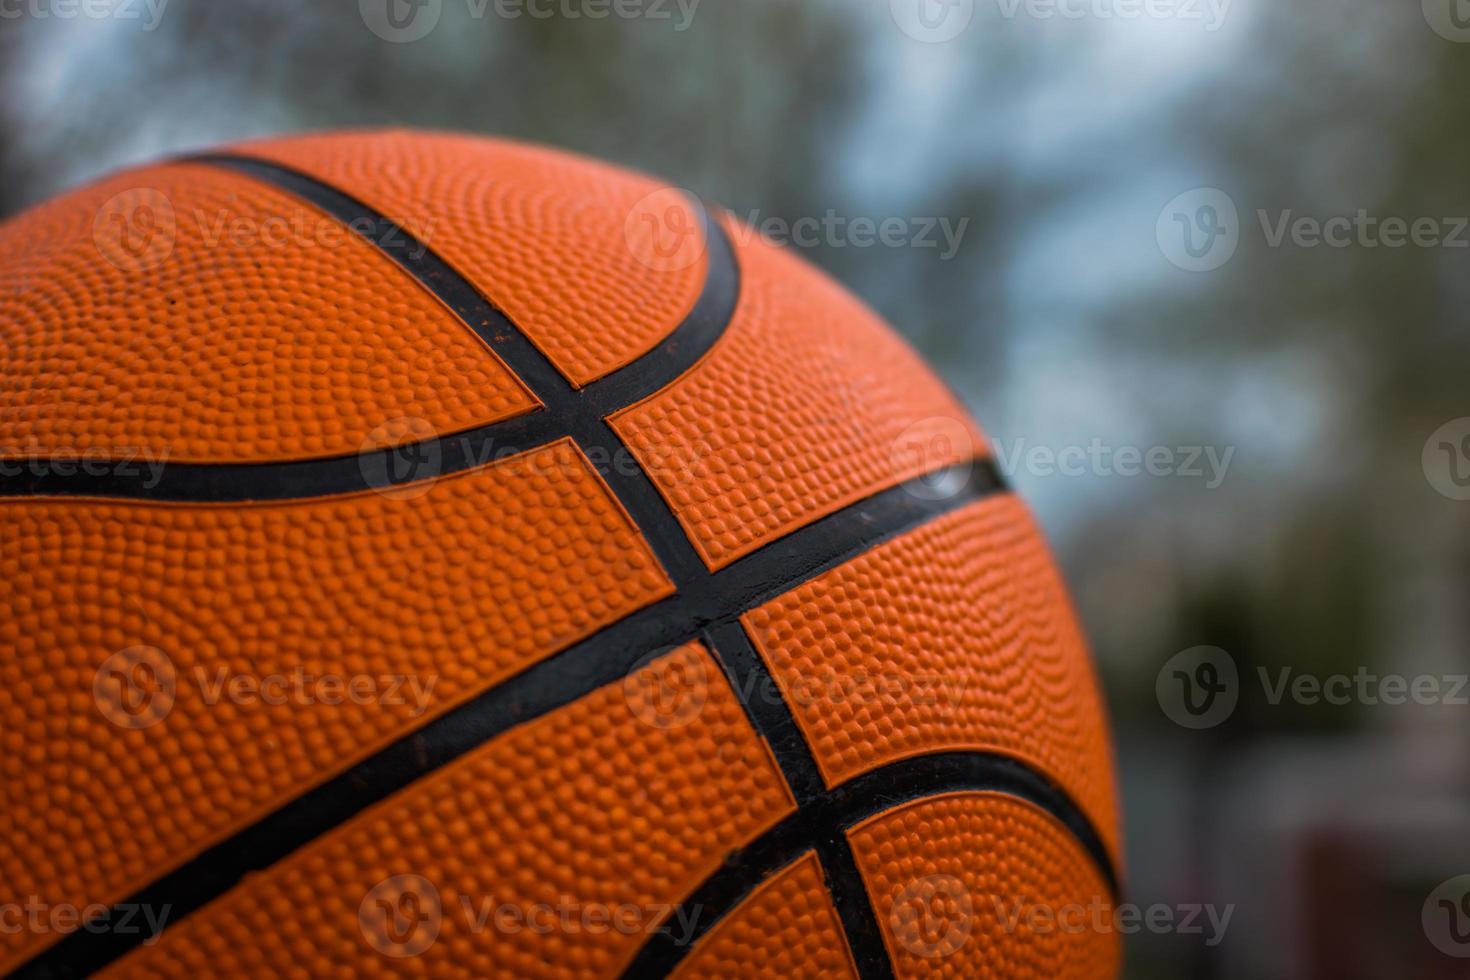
point(601, 659)
point(766, 706)
point(705, 604)
point(304, 479)
point(584, 417)
point(695, 334)
point(566, 411)
point(576, 413)
point(843, 807)
point(562, 406)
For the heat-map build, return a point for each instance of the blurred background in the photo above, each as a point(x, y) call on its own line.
point(1242, 434)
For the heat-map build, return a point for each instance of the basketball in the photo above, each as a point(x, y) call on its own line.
point(444, 556)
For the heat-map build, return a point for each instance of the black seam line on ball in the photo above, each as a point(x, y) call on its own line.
point(581, 413)
point(846, 805)
point(604, 658)
point(855, 911)
point(766, 706)
point(323, 476)
point(565, 410)
point(666, 361)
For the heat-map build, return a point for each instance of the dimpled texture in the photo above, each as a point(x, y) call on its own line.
point(249, 327)
point(786, 928)
point(612, 803)
point(807, 403)
point(544, 235)
point(489, 571)
point(982, 885)
point(956, 635)
point(190, 312)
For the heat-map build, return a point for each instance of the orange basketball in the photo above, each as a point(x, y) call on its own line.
point(444, 556)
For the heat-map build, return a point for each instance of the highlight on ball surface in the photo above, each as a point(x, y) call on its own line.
point(451, 556)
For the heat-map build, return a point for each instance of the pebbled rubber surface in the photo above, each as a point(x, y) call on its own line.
point(553, 240)
point(957, 635)
point(977, 886)
point(484, 574)
point(786, 928)
point(613, 806)
point(807, 403)
point(706, 513)
point(253, 327)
